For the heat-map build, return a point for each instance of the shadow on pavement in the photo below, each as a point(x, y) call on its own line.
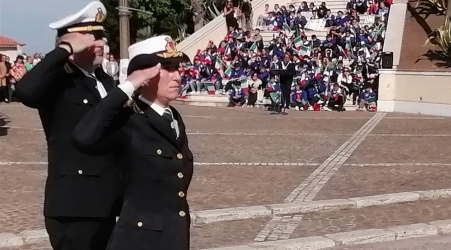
point(3, 123)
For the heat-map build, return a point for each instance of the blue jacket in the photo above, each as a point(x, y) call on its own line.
point(298, 94)
point(263, 75)
point(367, 95)
point(312, 92)
point(237, 73)
point(237, 92)
point(322, 87)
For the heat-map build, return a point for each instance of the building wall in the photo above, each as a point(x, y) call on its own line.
point(11, 52)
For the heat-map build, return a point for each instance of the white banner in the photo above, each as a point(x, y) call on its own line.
point(367, 20)
point(307, 14)
point(316, 24)
point(123, 64)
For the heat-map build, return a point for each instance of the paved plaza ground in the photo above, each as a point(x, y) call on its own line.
point(245, 157)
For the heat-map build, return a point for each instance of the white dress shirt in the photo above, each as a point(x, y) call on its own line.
point(99, 87)
point(128, 89)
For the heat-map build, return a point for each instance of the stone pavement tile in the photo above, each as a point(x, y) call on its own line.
point(400, 126)
point(23, 145)
point(380, 217)
point(22, 211)
point(229, 233)
point(20, 116)
point(226, 186)
point(438, 242)
point(224, 112)
point(349, 182)
point(402, 150)
point(37, 246)
point(21, 197)
point(22, 178)
point(223, 148)
point(228, 114)
point(276, 124)
point(412, 116)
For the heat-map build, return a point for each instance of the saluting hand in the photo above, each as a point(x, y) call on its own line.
point(80, 42)
point(141, 78)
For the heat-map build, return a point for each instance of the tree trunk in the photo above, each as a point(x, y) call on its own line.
point(448, 9)
point(198, 14)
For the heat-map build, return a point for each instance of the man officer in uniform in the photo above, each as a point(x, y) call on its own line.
point(150, 138)
point(82, 191)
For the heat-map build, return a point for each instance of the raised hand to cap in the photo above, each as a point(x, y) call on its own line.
point(79, 42)
point(140, 78)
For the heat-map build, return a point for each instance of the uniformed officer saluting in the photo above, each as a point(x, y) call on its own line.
point(81, 190)
point(150, 138)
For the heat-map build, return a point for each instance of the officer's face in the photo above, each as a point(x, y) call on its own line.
point(166, 86)
point(93, 54)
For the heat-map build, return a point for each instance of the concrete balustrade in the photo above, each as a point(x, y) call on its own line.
point(395, 27)
point(415, 92)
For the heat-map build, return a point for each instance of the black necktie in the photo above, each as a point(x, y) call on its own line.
point(168, 116)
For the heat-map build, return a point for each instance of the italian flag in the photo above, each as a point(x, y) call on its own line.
point(254, 47)
point(298, 42)
point(305, 50)
point(210, 87)
point(218, 63)
point(228, 72)
point(244, 85)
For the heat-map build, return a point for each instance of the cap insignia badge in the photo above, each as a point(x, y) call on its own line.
point(170, 49)
point(100, 16)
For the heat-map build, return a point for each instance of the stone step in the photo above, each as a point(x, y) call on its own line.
point(268, 35)
point(334, 6)
point(223, 100)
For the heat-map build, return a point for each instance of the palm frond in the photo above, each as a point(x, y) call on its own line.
point(440, 5)
point(442, 35)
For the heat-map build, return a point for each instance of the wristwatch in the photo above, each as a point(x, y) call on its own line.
point(68, 45)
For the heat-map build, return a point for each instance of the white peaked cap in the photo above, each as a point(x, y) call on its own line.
point(88, 14)
point(150, 52)
point(149, 46)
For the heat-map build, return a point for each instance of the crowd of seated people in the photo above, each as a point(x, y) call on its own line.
point(342, 68)
point(297, 17)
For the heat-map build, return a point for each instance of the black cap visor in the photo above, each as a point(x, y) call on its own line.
point(145, 61)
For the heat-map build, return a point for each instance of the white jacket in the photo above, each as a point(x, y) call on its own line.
point(341, 79)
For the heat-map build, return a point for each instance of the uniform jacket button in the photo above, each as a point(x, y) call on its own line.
point(179, 156)
point(181, 194)
point(182, 214)
point(140, 224)
point(159, 151)
point(80, 171)
point(180, 175)
point(85, 101)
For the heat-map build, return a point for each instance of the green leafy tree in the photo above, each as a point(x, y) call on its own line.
point(144, 25)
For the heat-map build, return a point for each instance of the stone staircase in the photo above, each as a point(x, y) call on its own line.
point(268, 35)
point(321, 35)
point(213, 34)
point(218, 100)
point(333, 5)
point(216, 29)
